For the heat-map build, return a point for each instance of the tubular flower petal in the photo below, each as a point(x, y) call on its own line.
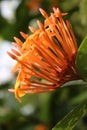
point(46, 60)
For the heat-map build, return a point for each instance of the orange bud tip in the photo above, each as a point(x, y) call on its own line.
point(57, 10)
point(12, 55)
point(9, 53)
point(14, 44)
point(32, 29)
point(11, 90)
point(25, 36)
point(15, 38)
point(43, 12)
point(16, 52)
point(40, 25)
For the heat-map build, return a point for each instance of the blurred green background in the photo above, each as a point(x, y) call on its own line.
point(37, 111)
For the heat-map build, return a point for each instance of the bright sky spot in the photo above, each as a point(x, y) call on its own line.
point(6, 63)
point(8, 7)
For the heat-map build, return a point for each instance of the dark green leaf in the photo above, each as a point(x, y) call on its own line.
point(81, 59)
point(70, 120)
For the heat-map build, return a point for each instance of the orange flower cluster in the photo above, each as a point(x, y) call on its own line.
point(33, 5)
point(46, 60)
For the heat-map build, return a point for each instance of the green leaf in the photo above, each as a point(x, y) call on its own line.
point(70, 120)
point(81, 59)
point(75, 83)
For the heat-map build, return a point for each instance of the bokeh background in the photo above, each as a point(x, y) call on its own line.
point(37, 111)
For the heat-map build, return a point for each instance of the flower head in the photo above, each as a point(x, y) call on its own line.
point(46, 60)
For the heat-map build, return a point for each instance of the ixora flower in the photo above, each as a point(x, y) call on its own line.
point(46, 60)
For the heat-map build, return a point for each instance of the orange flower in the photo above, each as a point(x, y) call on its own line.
point(46, 60)
point(40, 127)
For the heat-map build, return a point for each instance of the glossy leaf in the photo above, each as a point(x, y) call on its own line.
point(75, 83)
point(70, 120)
point(81, 59)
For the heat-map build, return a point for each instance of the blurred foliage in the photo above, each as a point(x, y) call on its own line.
point(41, 111)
